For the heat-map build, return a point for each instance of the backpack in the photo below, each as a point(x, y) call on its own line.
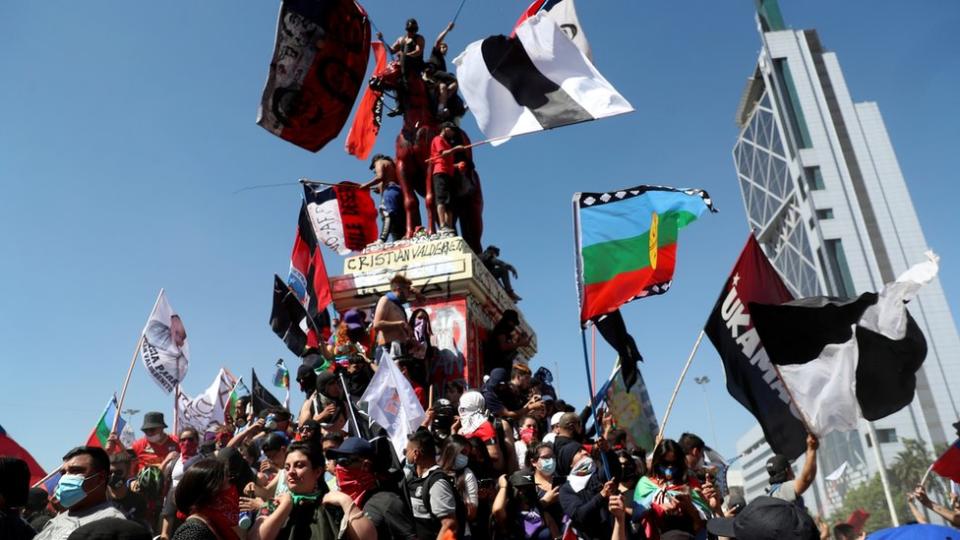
point(439, 475)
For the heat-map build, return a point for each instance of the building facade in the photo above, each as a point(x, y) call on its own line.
point(825, 197)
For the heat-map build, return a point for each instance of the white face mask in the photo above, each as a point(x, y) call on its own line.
point(159, 437)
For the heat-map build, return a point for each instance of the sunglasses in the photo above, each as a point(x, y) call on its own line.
point(347, 461)
point(305, 429)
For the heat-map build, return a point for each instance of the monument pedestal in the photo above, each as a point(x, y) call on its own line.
point(463, 299)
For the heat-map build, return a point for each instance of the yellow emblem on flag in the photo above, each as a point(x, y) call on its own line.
point(654, 227)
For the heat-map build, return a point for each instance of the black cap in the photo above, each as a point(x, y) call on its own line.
point(305, 372)
point(777, 464)
point(153, 419)
point(767, 518)
point(522, 478)
point(352, 446)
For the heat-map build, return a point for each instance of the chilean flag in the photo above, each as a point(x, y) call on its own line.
point(948, 465)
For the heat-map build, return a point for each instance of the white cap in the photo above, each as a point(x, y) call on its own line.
point(555, 419)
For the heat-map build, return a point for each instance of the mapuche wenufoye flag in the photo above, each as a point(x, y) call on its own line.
point(536, 79)
point(626, 244)
point(319, 64)
point(843, 359)
point(751, 379)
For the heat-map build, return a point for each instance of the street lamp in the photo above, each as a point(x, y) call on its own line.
point(702, 381)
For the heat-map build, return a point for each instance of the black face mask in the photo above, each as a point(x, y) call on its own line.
point(117, 479)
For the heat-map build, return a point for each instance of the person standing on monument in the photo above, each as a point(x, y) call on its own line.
point(390, 317)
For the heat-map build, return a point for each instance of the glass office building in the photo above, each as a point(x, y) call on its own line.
point(825, 197)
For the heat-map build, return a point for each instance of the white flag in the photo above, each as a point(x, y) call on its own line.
point(165, 351)
point(206, 411)
point(534, 80)
point(564, 14)
point(392, 403)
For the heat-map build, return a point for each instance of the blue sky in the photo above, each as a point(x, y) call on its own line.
point(128, 126)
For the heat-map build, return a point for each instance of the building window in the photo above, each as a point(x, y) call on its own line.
point(887, 436)
point(826, 213)
point(814, 178)
point(838, 267)
point(791, 103)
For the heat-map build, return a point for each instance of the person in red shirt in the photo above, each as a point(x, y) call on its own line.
point(155, 445)
point(447, 173)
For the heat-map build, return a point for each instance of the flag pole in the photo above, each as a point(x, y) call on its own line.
point(593, 405)
point(346, 397)
point(676, 389)
point(883, 475)
point(133, 361)
point(45, 478)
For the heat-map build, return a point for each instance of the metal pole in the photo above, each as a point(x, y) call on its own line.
point(883, 475)
point(676, 389)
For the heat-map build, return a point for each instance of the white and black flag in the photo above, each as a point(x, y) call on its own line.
point(843, 359)
point(536, 79)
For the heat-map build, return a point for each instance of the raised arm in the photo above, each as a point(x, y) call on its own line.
point(809, 472)
point(443, 35)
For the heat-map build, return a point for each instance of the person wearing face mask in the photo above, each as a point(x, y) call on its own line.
point(585, 497)
point(528, 436)
point(475, 425)
point(541, 459)
point(673, 504)
point(360, 487)
point(455, 462)
point(189, 453)
point(82, 490)
point(207, 503)
point(133, 505)
point(437, 508)
point(155, 445)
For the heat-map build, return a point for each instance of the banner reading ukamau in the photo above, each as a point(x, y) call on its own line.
point(164, 350)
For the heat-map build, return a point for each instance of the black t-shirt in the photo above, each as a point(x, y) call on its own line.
point(438, 60)
point(390, 516)
point(133, 506)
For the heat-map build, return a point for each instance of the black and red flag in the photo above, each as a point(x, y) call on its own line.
point(308, 279)
point(751, 377)
point(319, 64)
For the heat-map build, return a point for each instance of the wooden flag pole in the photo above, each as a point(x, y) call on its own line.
point(676, 389)
point(133, 361)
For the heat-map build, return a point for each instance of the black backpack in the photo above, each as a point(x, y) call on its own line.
point(439, 475)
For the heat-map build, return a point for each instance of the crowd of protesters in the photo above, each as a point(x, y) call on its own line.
point(508, 460)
